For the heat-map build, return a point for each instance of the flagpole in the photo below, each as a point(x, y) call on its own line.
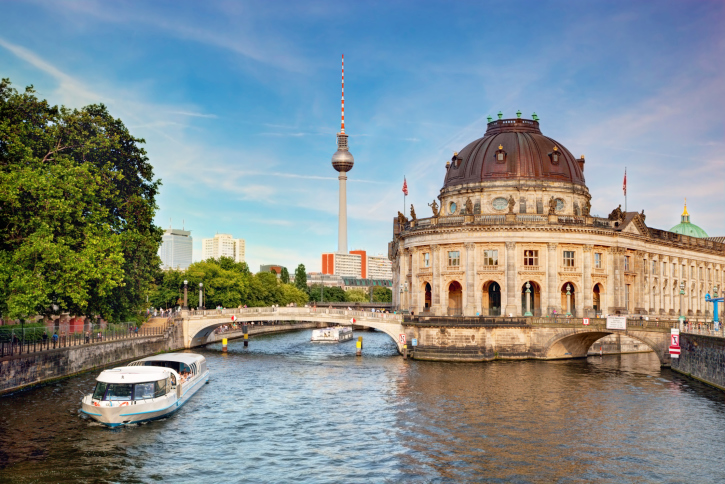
point(625, 189)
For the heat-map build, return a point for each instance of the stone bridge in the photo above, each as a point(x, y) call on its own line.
point(199, 325)
point(448, 339)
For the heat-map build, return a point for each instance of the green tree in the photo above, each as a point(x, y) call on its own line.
point(356, 295)
point(331, 294)
point(284, 277)
point(77, 201)
point(382, 294)
point(301, 278)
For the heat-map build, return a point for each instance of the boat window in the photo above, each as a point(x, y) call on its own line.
point(160, 388)
point(100, 390)
point(119, 392)
point(143, 390)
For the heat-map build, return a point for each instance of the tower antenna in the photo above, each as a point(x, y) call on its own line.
point(342, 101)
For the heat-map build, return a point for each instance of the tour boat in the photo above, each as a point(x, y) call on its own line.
point(146, 389)
point(337, 334)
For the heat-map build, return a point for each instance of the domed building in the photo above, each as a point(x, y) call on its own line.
point(511, 233)
point(687, 228)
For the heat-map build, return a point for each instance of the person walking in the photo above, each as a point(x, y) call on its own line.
point(45, 339)
point(55, 339)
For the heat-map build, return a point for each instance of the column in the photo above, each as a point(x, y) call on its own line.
point(403, 278)
point(435, 284)
point(587, 282)
point(415, 283)
point(551, 281)
point(470, 279)
point(511, 293)
point(611, 272)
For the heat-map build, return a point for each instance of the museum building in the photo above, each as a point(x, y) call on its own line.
point(513, 235)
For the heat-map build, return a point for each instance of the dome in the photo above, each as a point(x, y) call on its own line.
point(514, 149)
point(685, 227)
point(342, 160)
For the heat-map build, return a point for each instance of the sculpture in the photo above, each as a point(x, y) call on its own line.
point(587, 209)
point(469, 206)
point(617, 214)
point(412, 213)
point(512, 203)
point(402, 219)
point(552, 206)
point(642, 215)
point(434, 207)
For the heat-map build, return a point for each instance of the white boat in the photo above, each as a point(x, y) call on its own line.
point(146, 389)
point(337, 334)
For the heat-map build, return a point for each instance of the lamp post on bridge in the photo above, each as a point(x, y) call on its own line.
point(201, 300)
point(714, 300)
point(682, 293)
point(528, 300)
point(185, 295)
point(568, 299)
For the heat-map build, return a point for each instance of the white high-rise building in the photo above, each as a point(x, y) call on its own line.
point(176, 249)
point(379, 267)
point(223, 245)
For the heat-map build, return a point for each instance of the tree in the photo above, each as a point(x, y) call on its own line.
point(77, 201)
point(382, 294)
point(301, 278)
point(356, 295)
point(331, 294)
point(284, 277)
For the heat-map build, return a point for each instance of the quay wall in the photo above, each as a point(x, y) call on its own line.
point(702, 358)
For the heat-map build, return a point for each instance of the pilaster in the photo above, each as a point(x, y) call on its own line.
point(551, 280)
point(587, 280)
point(435, 280)
point(470, 309)
point(511, 306)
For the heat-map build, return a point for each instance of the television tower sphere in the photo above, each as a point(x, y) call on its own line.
point(342, 160)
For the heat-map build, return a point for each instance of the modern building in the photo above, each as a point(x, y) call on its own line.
point(514, 234)
point(223, 245)
point(176, 249)
point(357, 264)
point(277, 268)
point(316, 278)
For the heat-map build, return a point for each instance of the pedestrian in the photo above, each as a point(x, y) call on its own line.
point(88, 337)
point(45, 338)
point(55, 339)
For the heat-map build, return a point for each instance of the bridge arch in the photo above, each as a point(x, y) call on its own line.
point(575, 343)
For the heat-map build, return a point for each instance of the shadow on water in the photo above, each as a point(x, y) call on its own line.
point(285, 409)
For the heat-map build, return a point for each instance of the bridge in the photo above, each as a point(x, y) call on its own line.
point(450, 339)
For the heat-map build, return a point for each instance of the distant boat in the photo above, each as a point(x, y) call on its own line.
point(146, 389)
point(337, 334)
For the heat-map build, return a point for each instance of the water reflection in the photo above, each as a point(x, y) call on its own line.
point(285, 409)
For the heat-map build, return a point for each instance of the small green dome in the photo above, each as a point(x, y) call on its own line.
point(685, 227)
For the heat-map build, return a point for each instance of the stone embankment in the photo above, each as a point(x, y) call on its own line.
point(702, 357)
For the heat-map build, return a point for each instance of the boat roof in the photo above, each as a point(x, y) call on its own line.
point(186, 358)
point(134, 374)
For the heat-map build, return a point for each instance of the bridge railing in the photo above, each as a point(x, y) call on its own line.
point(602, 323)
point(705, 329)
point(281, 312)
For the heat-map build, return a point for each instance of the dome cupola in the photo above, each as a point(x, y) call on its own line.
point(685, 227)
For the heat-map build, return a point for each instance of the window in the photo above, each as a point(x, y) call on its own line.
point(700, 273)
point(709, 274)
point(100, 390)
point(674, 270)
point(426, 259)
point(654, 267)
point(692, 272)
point(597, 260)
point(490, 257)
point(531, 257)
point(664, 268)
point(522, 205)
point(454, 258)
point(626, 262)
point(119, 392)
point(684, 271)
point(626, 296)
point(568, 258)
point(143, 390)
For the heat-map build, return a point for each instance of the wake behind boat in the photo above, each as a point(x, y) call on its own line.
point(146, 389)
point(337, 334)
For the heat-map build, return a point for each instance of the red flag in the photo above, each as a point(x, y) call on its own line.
point(405, 186)
point(624, 185)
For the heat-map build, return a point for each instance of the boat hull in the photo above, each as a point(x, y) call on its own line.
point(142, 411)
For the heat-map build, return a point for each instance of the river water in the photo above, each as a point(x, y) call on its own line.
point(285, 410)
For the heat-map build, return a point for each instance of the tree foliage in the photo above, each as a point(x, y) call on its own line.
point(225, 283)
point(77, 201)
point(330, 294)
point(301, 278)
point(284, 276)
point(382, 294)
point(356, 295)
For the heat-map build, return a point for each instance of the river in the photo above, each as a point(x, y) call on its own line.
point(286, 410)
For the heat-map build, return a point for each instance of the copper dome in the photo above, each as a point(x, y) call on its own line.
point(514, 149)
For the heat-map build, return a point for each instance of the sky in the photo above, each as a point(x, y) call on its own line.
point(239, 102)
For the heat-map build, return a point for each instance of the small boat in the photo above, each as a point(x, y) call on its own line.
point(337, 334)
point(146, 389)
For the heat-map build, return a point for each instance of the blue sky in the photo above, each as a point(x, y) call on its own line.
point(239, 102)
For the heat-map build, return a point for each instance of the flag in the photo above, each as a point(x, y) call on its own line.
point(624, 184)
point(405, 186)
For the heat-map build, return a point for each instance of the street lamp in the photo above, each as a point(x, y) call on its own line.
point(201, 286)
point(682, 293)
point(568, 300)
point(528, 299)
point(185, 296)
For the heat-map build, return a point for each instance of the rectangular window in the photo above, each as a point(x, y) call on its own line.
point(426, 259)
point(674, 270)
point(692, 272)
point(568, 258)
point(684, 271)
point(626, 296)
point(626, 262)
point(700, 273)
point(522, 205)
point(709, 274)
point(664, 268)
point(654, 267)
point(597, 260)
point(490, 257)
point(454, 258)
point(531, 257)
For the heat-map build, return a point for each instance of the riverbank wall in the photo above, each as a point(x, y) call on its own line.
point(702, 358)
point(28, 369)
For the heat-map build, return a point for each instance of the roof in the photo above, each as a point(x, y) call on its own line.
point(527, 154)
point(186, 358)
point(720, 239)
point(688, 228)
point(134, 374)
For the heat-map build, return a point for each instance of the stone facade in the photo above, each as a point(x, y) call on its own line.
point(703, 358)
point(496, 237)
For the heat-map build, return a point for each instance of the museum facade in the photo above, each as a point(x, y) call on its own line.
point(511, 233)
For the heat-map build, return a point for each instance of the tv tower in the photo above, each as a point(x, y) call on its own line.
point(342, 161)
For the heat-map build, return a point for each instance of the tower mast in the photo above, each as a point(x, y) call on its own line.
point(342, 161)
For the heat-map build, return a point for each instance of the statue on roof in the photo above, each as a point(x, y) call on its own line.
point(642, 215)
point(587, 209)
point(402, 219)
point(434, 207)
point(552, 206)
point(412, 212)
point(617, 215)
point(512, 203)
point(469, 206)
